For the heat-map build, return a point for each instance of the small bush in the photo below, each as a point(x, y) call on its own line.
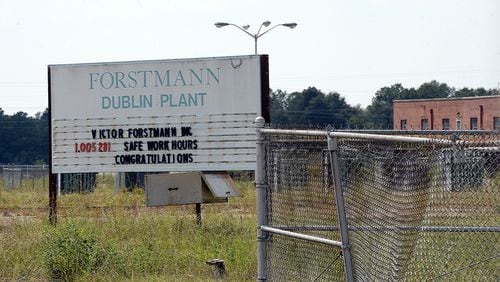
point(70, 252)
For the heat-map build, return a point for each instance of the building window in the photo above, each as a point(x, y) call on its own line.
point(473, 123)
point(424, 124)
point(404, 124)
point(496, 123)
point(446, 124)
point(459, 122)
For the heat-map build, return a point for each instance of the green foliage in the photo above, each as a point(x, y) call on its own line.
point(278, 107)
point(23, 139)
point(72, 251)
point(359, 118)
point(311, 107)
point(20, 256)
point(469, 92)
point(112, 236)
point(135, 243)
point(380, 110)
point(430, 90)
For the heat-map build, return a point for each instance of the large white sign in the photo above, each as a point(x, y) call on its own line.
point(172, 115)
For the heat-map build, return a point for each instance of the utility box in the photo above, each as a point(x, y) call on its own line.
point(188, 188)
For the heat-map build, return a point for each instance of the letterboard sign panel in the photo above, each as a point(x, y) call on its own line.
point(169, 115)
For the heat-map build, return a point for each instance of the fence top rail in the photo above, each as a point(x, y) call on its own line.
point(18, 166)
point(293, 132)
point(394, 138)
point(354, 135)
point(418, 132)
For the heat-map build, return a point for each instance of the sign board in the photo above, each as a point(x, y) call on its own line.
point(147, 116)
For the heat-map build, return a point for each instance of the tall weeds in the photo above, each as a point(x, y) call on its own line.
point(108, 235)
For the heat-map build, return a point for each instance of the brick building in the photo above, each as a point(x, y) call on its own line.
point(467, 113)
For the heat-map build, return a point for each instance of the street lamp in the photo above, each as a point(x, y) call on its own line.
point(258, 34)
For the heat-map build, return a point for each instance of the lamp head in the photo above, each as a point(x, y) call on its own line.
point(219, 24)
point(266, 23)
point(245, 27)
point(290, 25)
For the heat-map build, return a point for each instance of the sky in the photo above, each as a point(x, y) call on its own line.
point(350, 47)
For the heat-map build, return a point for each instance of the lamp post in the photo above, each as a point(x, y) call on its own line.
point(257, 35)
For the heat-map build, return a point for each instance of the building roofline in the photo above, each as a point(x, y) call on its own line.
point(446, 99)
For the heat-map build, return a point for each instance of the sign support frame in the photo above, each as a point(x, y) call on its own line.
point(52, 176)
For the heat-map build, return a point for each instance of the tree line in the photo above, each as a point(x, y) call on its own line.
point(24, 139)
point(312, 107)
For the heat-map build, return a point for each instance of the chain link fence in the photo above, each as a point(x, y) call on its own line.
point(18, 176)
point(300, 199)
point(425, 206)
point(37, 176)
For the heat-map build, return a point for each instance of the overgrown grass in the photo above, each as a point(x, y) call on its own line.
point(112, 236)
point(109, 235)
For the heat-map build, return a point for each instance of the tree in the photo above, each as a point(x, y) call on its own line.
point(359, 118)
point(313, 107)
point(298, 102)
point(296, 108)
point(380, 110)
point(433, 89)
point(278, 106)
point(341, 112)
point(469, 92)
point(24, 139)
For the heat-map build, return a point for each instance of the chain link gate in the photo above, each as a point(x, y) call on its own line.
point(418, 207)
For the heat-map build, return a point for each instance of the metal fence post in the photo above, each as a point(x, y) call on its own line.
point(454, 152)
point(21, 178)
point(339, 201)
point(261, 188)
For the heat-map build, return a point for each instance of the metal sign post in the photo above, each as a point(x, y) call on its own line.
point(52, 176)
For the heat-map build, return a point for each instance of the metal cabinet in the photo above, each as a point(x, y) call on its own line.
point(189, 188)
